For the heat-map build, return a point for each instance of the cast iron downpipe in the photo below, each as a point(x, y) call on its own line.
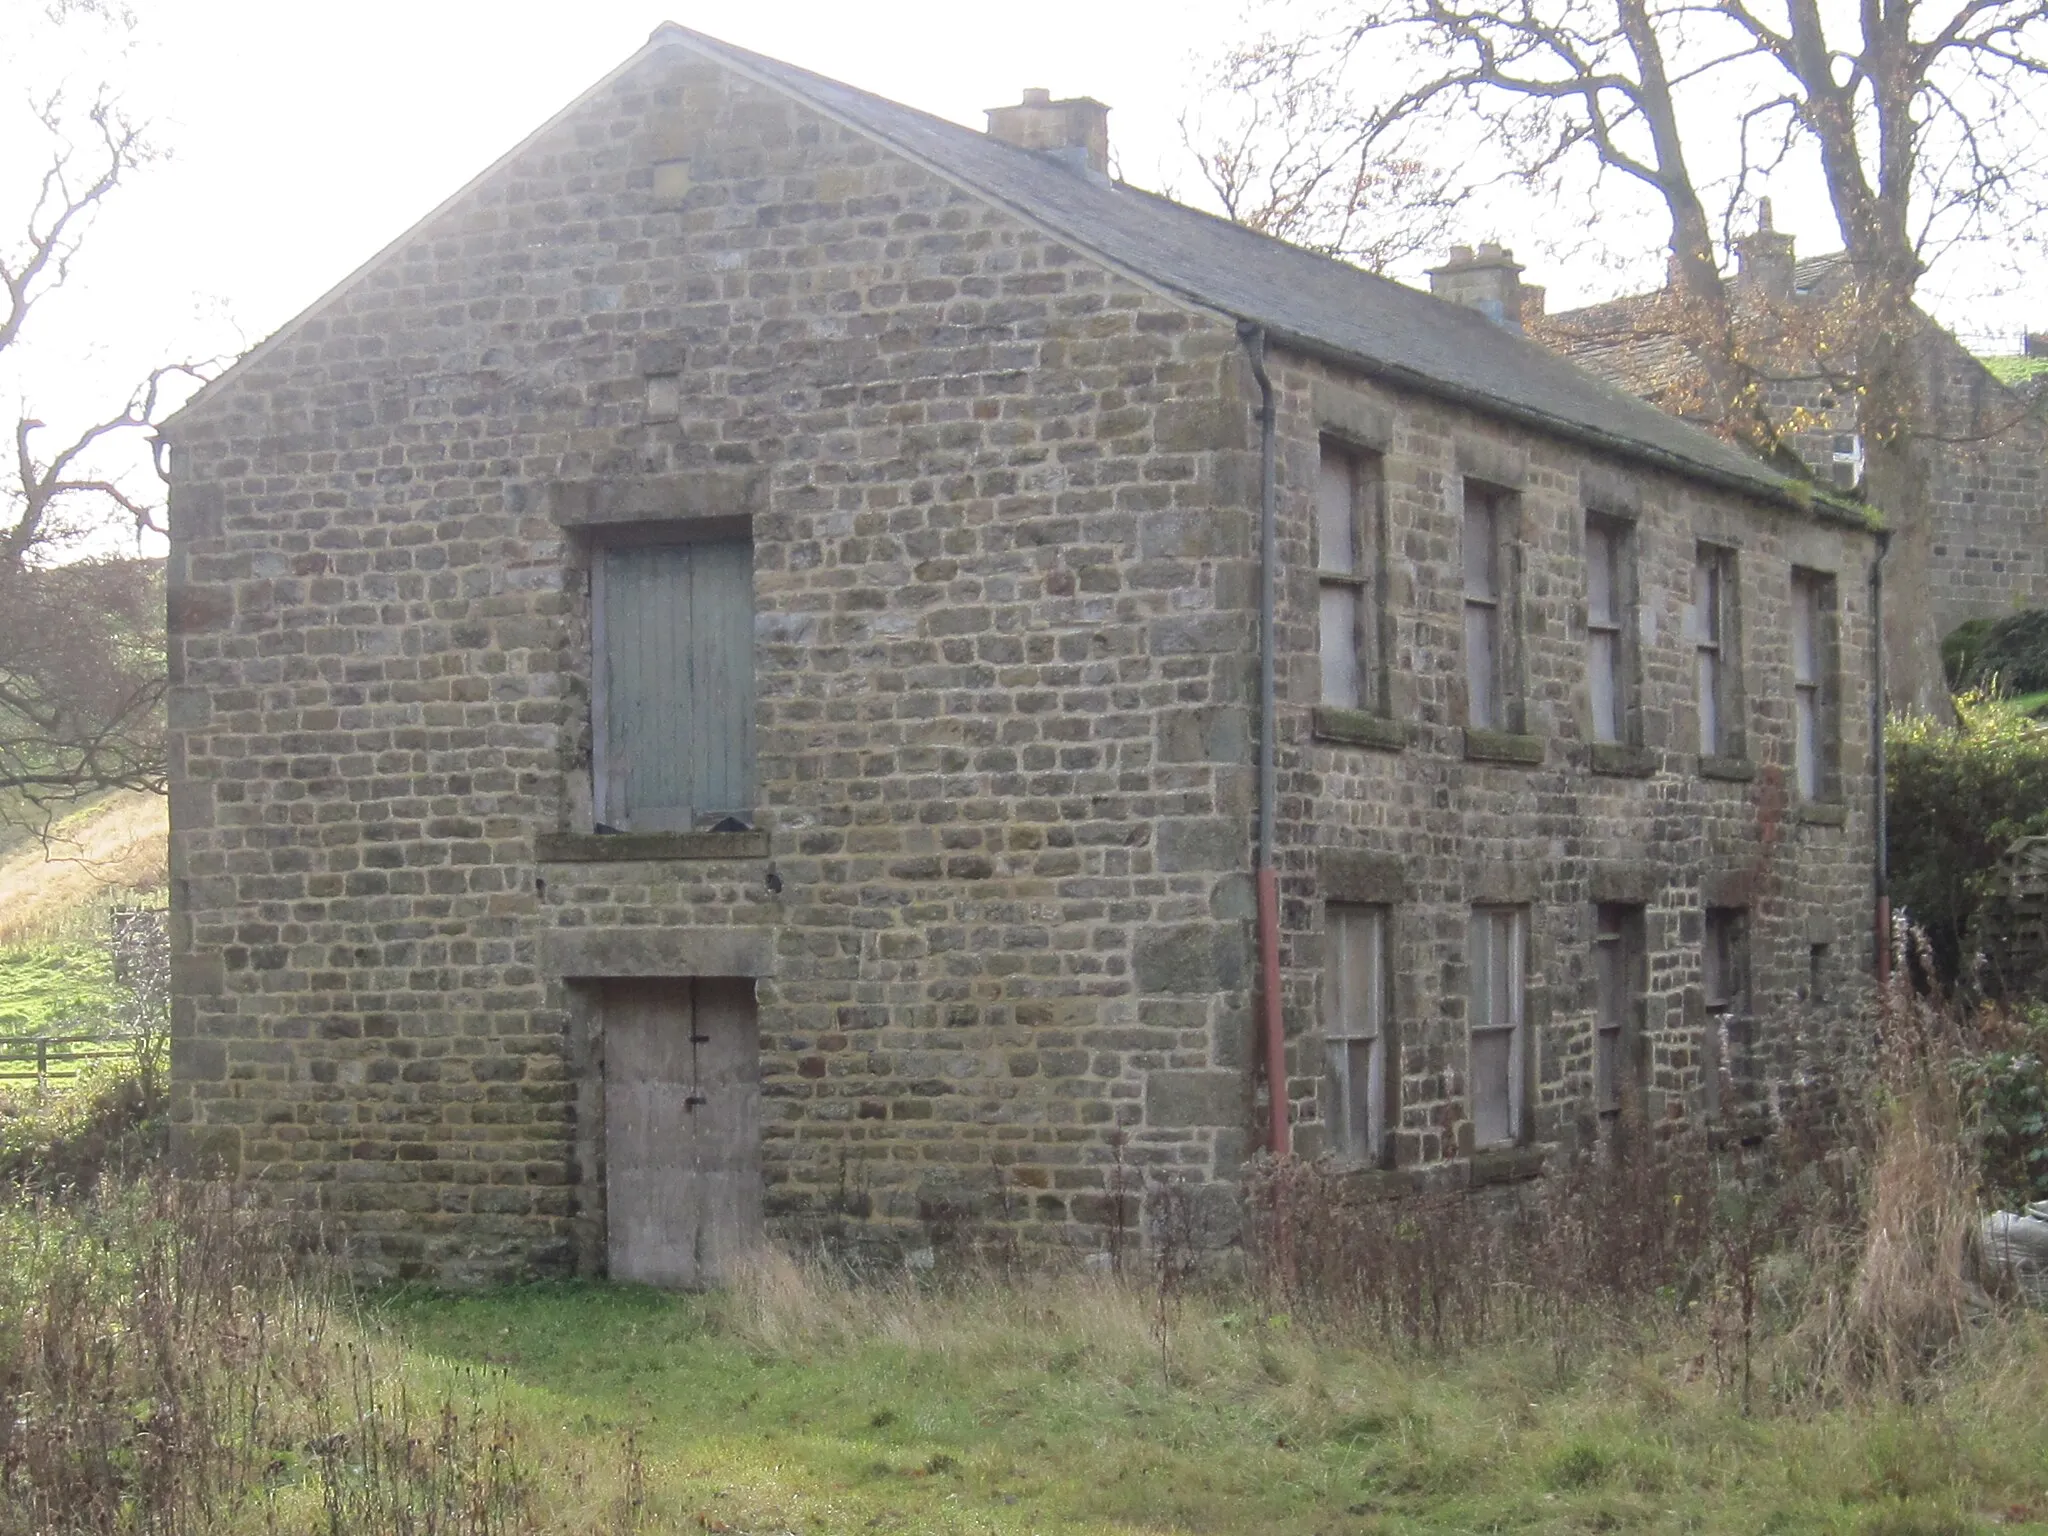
point(1267, 882)
point(1880, 861)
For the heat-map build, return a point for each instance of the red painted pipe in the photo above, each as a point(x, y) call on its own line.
point(1278, 1137)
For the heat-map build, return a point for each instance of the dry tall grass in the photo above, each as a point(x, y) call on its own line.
point(171, 1363)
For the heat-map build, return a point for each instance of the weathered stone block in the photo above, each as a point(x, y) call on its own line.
point(1177, 1099)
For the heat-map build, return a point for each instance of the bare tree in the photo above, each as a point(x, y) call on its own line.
point(1281, 145)
point(81, 628)
point(1920, 118)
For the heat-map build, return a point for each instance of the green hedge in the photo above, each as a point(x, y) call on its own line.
point(2008, 655)
point(1957, 799)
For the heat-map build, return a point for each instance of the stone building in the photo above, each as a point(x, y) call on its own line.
point(1987, 447)
point(717, 682)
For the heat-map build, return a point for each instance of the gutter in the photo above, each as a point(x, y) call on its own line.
point(1272, 1016)
point(1880, 854)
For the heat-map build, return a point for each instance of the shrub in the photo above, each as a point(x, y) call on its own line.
point(1958, 799)
point(2008, 655)
point(1959, 649)
point(2005, 1086)
point(107, 1121)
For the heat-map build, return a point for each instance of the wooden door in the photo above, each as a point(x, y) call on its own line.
point(682, 1112)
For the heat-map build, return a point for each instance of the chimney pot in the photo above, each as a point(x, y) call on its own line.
point(1074, 130)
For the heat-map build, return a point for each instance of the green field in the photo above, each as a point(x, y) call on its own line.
point(56, 989)
point(2014, 370)
point(1066, 1407)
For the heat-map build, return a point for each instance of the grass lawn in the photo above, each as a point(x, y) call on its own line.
point(54, 988)
point(1053, 1406)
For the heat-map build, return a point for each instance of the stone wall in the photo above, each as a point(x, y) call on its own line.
point(1001, 559)
point(997, 899)
point(1988, 472)
point(1577, 825)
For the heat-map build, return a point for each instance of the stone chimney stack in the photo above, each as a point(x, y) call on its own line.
point(1488, 280)
point(1764, 259)
point(1075, 130)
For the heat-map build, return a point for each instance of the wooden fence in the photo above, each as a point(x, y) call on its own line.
point(44, 1059)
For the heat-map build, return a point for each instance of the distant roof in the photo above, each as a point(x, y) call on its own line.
point(1302, 298)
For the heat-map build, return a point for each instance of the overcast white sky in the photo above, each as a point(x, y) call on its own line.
point(303, 137)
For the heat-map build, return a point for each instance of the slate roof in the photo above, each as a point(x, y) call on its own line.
point(1311, 302)
point(1373, 324)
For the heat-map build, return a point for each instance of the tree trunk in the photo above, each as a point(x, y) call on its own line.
point(1899, 482)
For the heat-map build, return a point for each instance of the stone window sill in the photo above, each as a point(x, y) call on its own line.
point(1506, 1165)
point(1622, 760)
point(1503, 747)
point(623, 847)
point(1821, 814)
point(1358, 728)
point(1371, 1181)
point(1737, 770)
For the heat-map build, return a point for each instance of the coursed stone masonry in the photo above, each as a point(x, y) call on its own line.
point(996, 900)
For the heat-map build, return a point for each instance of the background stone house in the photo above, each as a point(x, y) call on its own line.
point(1986, 449)
point(715, 685)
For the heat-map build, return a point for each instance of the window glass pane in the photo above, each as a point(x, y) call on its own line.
point(1354, 1098)
point(1610, 982)
point(1806, 741)
point(1805, 639)
point(1355, 985)
point(1721, 959)
point(1600, 604)
point(1370, 973)
point(1342, 1097)
point(1703, 618)
point(1603, 665)
point(1341, 608)
point(1607, 1070)
point(1482, 666)
point(1481, 555)
point(1506, 969)
point(1336, 512)
point(1710, 702)
point(1478, 967)
point(1492, 1119)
